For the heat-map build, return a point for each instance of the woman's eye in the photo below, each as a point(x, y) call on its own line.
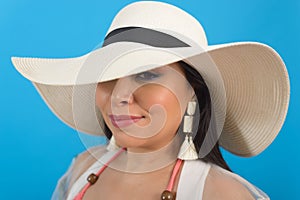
point(146, 76)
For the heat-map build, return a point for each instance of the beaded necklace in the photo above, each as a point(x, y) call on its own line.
point(168, 194)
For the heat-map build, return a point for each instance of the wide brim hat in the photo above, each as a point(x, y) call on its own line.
point(248, 81)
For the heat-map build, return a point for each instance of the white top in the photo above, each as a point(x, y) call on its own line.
point(191, 182)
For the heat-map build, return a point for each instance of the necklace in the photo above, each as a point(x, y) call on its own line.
point(168, 194)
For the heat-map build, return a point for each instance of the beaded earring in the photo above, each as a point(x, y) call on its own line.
point(187, 149)
point(112, 145)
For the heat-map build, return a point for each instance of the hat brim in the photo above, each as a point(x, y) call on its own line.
point(252, 74)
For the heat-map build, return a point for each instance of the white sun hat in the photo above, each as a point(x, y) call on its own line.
point(248, 81)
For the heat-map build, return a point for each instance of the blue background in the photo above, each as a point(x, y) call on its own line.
point(36, 148)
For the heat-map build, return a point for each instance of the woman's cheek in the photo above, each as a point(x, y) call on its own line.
point(152, 95)
point(162, 97)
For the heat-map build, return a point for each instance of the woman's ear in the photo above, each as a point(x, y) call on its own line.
point(193, 96)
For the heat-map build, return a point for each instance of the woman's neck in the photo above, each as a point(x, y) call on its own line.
point(148, 161)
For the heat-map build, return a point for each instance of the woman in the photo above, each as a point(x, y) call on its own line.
point(166, 100)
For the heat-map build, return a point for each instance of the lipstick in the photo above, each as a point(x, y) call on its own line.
point(121, 121)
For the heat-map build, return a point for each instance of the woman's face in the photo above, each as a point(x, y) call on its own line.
point(144, 111)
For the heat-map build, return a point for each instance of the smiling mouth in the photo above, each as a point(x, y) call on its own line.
point(121, 121)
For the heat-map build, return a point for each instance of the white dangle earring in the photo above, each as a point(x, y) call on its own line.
point(187, 149)
point(112, 145)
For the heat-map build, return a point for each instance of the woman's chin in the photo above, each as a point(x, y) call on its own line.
point(129, 142)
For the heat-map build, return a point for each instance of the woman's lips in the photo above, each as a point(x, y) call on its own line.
point(121, 121)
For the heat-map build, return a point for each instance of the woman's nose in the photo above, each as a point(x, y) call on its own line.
point(122, 93)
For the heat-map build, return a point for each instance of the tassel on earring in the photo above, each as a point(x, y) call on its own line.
point(187, 149)
point(112, 145)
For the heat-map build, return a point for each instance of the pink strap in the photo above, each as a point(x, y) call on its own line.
point(80, 195)
point(174, 174)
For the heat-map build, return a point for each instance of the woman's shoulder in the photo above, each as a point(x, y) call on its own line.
point(92, 153)
point(78, 166)
point(84, 160)
point(219, 185)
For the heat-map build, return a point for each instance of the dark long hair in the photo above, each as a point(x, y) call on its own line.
point(202, 93)
point(204, 105)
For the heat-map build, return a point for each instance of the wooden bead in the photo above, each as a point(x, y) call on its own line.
point(168, 195)
point(92, 178)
